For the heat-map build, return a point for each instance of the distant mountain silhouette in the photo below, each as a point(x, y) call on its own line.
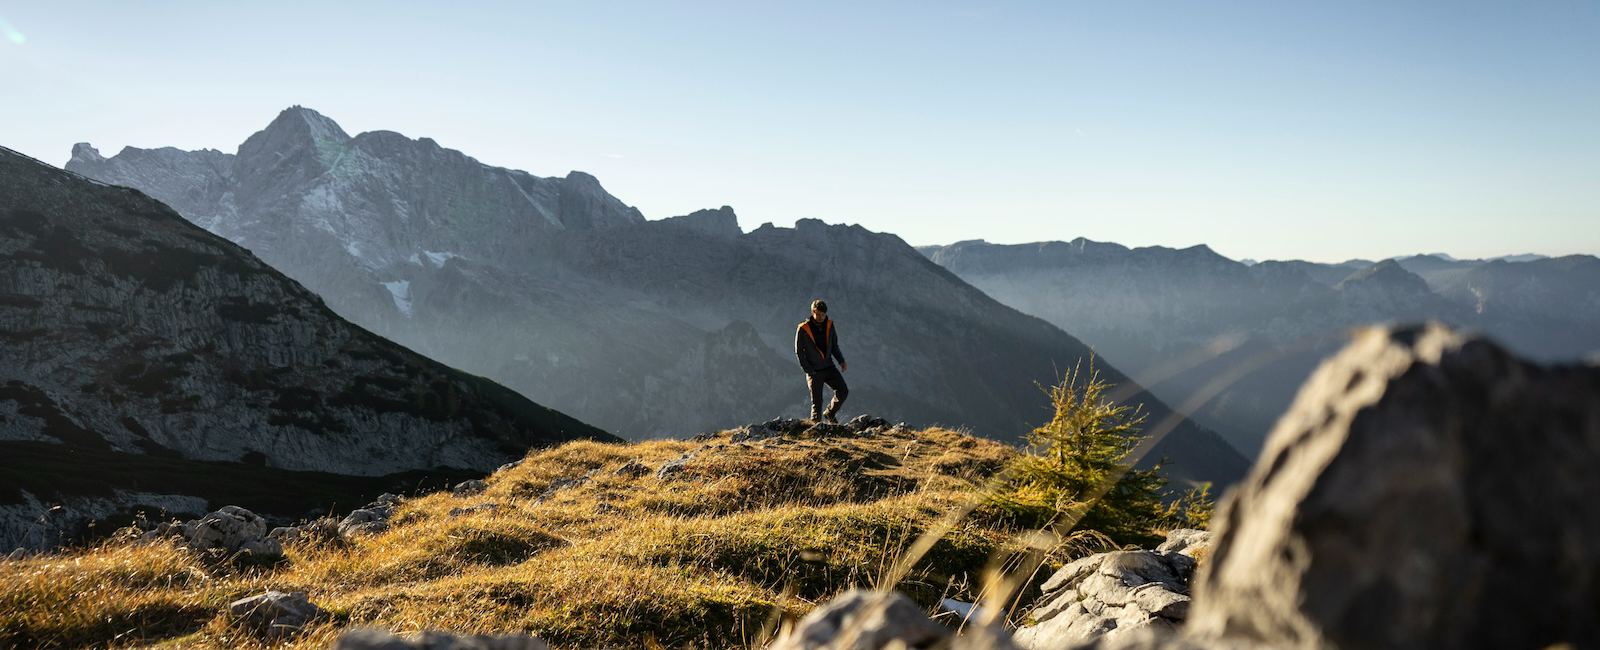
point(647, 328)
point(1156, 312)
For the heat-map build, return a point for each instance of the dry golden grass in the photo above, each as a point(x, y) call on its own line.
point(745, 535)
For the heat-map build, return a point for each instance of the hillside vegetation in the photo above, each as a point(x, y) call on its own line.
point(715, 554)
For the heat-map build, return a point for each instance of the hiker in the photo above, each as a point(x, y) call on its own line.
point(816, 345)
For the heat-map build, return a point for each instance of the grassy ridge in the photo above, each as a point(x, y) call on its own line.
point(713, 556)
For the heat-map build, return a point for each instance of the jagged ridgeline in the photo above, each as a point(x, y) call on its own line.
point(147, 362)
point(559, 290)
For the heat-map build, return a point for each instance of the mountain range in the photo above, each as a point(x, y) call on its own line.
point(645, 328)
point(1232, 342)
point(149, 363)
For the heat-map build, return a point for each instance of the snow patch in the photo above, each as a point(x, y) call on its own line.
point(439, 259)
point(400, 290)
point(354, 249)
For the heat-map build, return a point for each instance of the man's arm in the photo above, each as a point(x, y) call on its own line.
point(799, 349)
point(837, 353)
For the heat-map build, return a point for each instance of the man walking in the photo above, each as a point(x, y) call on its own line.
point(816, 345)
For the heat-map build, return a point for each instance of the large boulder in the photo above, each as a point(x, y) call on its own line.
point(1427, 489)
point(1112, 595)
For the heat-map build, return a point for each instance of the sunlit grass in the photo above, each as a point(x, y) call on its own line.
point(708, 557)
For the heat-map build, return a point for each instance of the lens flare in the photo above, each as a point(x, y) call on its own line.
point(11, 33)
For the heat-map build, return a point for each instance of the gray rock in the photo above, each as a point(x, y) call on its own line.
point(321, 529)
point(561, 485)
point(472, 510)
point(369, 639)
point(511, 465)
point(774, 428)
point(363, 522)
point(370, 519)
point(1110, 595)
point(469, 488)
point(275, 613)
point(864, 620)
point(1188, 541)
point(1427, 489)
point(230, 529)
point(673, 467)
point(864, 423)
point(633, 469)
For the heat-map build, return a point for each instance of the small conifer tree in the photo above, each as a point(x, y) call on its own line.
point(1075, 470)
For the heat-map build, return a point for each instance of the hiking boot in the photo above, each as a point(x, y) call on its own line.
point(829, 418)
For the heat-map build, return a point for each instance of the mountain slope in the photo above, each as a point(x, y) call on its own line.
point(129, 331)
point(648, 328)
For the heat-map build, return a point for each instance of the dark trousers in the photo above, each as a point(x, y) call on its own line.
point(832, 378)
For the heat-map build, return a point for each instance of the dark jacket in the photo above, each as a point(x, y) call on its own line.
point(809, 341)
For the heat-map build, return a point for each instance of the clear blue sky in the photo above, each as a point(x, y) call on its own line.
point(1314, 130)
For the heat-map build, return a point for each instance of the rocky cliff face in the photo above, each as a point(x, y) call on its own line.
point(130, 334)
point(647, 328)
point(1233, 341)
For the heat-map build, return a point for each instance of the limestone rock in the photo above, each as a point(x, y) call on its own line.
point(1111, 595)
point(870, 620)
point(864, 620)
point(1188, 541)
point(633, 469)
point(864, 423)
point(560, 485)
point(368, 639)
point(673, 467)
point(275, 613)
point(469, 488)
point(472, 510)
point(230, 529)
point(370, 519)
point(768, 430)
point(1427, 489)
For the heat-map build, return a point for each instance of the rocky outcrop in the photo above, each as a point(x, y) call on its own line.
point(874, 620)
point(865, 620)
point(646, 328)
point(371, 519)
point(1112, 595)
point(135, 347)
point(1427, 489)
point(231, 530)
point(275, 614)
point(436, 640)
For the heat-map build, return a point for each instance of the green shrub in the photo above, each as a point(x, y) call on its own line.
point(1076, 472)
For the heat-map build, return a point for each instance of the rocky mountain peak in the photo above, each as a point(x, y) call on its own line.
point(1387, 275)
point(301, 120)
point(298, 138)
point(721, 222)
point(83, 152)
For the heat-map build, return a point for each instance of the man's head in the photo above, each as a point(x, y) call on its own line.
point(819, 310)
